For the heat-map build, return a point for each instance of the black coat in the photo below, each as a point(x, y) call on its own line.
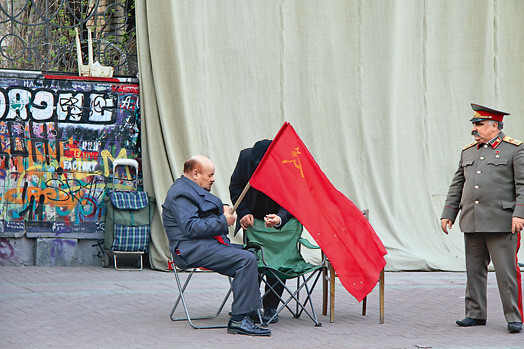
point(255, 202)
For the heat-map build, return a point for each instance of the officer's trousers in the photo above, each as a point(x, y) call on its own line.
point(502, 249)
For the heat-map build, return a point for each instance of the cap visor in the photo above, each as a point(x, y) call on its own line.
point(478, 120)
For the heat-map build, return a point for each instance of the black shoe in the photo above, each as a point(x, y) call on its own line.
point(266, 316)
point(246, 326)
point(466, 322)
point(254, 316)
point(270, 314)
point(514, 327)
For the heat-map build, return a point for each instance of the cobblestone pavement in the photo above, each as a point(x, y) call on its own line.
point(91, 307)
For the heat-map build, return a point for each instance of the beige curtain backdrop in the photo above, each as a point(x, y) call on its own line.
point(379, 91)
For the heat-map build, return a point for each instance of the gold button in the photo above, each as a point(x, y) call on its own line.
point(476, 202)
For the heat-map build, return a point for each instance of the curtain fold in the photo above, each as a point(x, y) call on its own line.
point(379, 91)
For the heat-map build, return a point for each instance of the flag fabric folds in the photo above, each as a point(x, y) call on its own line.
point(290, 176)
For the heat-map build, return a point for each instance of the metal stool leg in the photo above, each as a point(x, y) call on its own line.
point(182, 289)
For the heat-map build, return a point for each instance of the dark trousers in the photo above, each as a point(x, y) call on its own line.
point(501, 248)
point(271, 300)
point(241, 265)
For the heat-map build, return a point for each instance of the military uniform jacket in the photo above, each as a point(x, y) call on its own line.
point(488, 187)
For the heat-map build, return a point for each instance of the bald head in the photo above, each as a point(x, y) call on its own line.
point(200, 169)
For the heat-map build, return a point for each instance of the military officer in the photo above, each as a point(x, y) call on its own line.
point(488, 189)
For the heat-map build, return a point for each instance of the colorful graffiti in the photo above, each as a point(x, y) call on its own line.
point(58, 139)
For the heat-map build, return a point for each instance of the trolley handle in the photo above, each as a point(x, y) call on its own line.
point(125, 162)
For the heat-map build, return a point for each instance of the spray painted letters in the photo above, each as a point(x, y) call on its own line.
point(58, 139)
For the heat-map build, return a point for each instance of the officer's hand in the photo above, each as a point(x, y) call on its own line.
point(517, 224)
point(247, 221)
point(445, 224)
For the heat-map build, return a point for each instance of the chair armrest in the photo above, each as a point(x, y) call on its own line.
point(257, 248)
point(253, 244)
point(308, 244)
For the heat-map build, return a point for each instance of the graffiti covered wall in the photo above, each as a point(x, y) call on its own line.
point(58, 138)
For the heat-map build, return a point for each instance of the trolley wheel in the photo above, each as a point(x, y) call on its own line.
point(105, 261)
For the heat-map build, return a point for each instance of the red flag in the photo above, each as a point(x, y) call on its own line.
point(290, 176)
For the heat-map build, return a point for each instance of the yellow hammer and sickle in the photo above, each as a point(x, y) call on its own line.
point(296, 162)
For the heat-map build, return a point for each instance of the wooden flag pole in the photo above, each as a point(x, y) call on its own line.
point(240, 198)
point(381, 296)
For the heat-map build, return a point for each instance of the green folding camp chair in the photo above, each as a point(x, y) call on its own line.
point(278, 253)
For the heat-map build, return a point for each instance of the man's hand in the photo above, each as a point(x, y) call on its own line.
point(247, 221)
point(270, 220)
point(517, 224)
point(231, 218)
point(446, 224)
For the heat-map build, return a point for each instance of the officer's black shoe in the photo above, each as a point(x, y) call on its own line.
point(466, 322)
point(514, 327)
point(247, 326)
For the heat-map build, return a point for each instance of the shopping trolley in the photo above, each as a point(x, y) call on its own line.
point(128, 218)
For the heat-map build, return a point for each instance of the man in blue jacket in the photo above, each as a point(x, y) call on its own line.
point(196, 223)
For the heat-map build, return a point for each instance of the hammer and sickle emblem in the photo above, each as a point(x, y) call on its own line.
point(296, 162)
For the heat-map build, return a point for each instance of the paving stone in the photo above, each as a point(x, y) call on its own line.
point(94, 307)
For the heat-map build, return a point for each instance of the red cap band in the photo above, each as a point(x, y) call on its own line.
point(481, 114)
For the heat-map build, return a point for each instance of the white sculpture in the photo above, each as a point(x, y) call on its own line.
point(92, 69)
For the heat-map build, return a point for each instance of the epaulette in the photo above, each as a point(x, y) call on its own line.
point(469, 145)
point(512, 140)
